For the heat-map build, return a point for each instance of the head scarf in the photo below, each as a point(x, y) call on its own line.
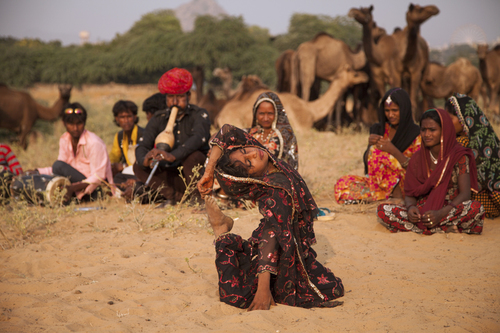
point(482, 140)
point(407, 130)
point(288, 150)
point(421, 181)
point(176, 81)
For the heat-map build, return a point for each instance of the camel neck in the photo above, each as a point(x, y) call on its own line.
point(369, 45)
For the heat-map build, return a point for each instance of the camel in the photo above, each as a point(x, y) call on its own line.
point(321, 58)
point(381, 52)
point(283, 67)
point(489, 64)
point(198, 78)
point(459, 77)
point(19, 111)
point(405, 51)
point(213, 105)
point(226, 77)
point(414, 51)
point(301, 113)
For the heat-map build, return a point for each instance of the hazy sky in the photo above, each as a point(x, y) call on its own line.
point(64, 19)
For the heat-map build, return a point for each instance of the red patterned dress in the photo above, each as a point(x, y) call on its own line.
point(468, 216)
point(282, 242)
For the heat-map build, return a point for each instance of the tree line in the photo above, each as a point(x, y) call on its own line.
point(157, 43)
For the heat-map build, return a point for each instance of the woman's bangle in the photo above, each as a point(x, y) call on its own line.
point(408, 208)
point(405, 163)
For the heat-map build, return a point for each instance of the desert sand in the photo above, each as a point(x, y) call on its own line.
point(132, 268)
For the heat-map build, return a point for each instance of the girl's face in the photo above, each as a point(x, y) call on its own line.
point(392, 113)
point(265, 115)
point(430, 131)
point(254, 160)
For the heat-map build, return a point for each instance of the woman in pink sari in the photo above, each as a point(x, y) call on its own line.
point(393, 140)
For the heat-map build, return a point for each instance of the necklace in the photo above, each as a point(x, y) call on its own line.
point(433, 159)
point(261, 136)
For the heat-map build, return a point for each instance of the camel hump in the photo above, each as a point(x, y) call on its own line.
point(463, 62)
point(322, 34)
point(437, 63)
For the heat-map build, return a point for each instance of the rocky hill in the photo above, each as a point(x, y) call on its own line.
point(188, 12)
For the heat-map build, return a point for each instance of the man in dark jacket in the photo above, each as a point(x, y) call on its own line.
point(191, 132)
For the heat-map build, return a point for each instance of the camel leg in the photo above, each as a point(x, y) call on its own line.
point(414, 87)
point(22, 138)
point(307, 74)
point(338, 115)
point(26, 126)
point(476, 91)
point(494, 99)
point(294, 80)
point(484, 96)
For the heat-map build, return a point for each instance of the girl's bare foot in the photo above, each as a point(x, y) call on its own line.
point(220, 222)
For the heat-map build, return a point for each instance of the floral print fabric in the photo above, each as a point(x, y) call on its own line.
point(384, 173)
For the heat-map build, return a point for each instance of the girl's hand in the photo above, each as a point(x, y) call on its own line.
point(206, 183)
point(263, 300)
point(373, 139)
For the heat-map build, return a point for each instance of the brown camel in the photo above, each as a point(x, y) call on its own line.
point(226, 76)
point(381, 52)
point(489, 64)
point(19, 111)
point(321, 58)
point(302, 114)
point(198, 79)
point(414, 51)
point(459, 77)
point(213, 105)
point(283, 67)
point(404, 53)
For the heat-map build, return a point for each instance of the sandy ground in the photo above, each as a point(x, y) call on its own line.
point(131, 268)
point(98, 273)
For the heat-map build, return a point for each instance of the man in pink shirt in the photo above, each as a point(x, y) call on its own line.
point(82, 156)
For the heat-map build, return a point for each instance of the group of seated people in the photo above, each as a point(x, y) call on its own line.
point(442, 175)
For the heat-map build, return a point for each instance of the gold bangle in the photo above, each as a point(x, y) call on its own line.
point(405, 163)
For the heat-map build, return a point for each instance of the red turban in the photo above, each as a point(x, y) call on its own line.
point(175, 81)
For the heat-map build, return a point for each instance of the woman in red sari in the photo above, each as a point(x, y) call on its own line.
point(277, 264)
point(439, 180)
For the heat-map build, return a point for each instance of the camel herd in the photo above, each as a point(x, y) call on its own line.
point(382, 61)
point(400, 59)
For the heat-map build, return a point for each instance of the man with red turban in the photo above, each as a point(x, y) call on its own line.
point(191, 132)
